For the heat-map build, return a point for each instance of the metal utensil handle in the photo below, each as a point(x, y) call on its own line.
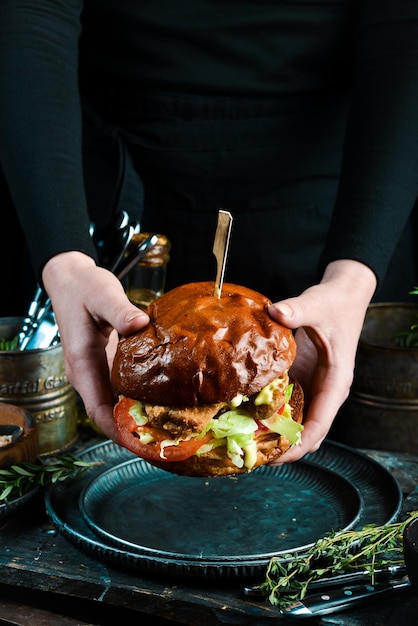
point(38, 308)
point(132, 259)
point(220, 248)
point(334, 600)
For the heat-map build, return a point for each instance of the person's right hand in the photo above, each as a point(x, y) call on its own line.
point(92, 310)
point(328, 318)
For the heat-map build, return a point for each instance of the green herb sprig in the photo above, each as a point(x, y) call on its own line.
point(20, 477)
point(9, 344)
point(365, 550)
point(409, 337)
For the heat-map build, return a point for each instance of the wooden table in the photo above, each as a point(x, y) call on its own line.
point(46, 581)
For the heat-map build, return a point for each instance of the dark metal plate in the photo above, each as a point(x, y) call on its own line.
point(380, 495)
point(270, 511)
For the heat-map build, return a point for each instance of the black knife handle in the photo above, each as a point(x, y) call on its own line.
point(334, 599)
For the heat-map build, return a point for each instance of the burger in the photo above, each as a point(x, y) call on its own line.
point(204, 388)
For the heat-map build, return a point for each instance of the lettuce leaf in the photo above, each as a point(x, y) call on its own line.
point(284, 425)
point(234, 422)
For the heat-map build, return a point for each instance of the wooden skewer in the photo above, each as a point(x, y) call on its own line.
point(220, 248)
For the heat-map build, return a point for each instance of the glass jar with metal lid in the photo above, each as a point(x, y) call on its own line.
point(146, 281)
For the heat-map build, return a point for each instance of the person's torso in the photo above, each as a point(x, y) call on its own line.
point(218, 47)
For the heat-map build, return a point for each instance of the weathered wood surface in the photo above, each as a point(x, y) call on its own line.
point(34, 556)
point(43, 577)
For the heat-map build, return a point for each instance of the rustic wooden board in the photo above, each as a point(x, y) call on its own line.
point(34, 556)
point(40, 571)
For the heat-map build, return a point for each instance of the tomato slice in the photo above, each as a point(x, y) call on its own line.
point(261, 428)
point(127, 430)
point(185, 449)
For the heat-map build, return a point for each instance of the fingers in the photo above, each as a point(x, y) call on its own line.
point(328, 318)
point(329, 389)
point(87, 369)
point(92, 383)
point(109, 306)
point(347, 287)
point(91, 309)
point(77, 287)
point(317, 422)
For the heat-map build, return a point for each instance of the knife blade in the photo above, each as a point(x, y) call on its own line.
point(340, 598)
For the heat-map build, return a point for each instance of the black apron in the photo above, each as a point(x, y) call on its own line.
point(274, 167)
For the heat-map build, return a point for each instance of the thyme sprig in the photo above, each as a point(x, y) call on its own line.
point(20, 477)
point(366, 550)
point(9, 344)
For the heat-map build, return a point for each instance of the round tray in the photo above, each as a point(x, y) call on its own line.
point(381, 502)
point(138, 507)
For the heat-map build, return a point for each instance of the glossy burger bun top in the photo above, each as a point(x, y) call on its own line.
point(199, 349)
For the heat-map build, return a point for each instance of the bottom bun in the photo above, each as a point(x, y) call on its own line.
point(217, 463)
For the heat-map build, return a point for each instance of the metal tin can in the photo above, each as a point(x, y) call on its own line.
point(36, 381)
point(381, 411)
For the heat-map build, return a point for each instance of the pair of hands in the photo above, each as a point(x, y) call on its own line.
point(92, 309)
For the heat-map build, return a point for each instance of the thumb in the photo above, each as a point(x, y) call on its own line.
point(290, 312)
point(132, 319)
point(114, 306)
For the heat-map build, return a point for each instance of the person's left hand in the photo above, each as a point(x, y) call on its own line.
point(92, 310)
point(329, 318)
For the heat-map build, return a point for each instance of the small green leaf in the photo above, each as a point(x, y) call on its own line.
point(21, 470)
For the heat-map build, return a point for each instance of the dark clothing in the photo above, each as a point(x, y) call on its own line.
point(300, 118)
